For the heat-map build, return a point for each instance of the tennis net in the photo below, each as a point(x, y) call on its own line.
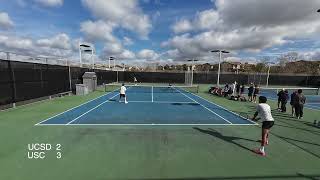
point(152, 89)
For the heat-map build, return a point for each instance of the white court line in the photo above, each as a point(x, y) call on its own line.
point(148, 125)
point(225, 109)
point(205, 107)
point(74, 108)
point(90, 110)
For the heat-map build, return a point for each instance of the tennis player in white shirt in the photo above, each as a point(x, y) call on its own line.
point(123, 90)
point(264, 112)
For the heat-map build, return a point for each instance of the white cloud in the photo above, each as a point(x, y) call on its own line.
point(232, 59)
point(127, 41)
point(113, 49)
point(309, 55)
point(50, 3)
point(246, 25)
point(16, 42)
point(147, 54)
point(98, 30)
point(5, 21)
point(58, 45)
point(126, 14)
point(126, 54)
point(60, 41)
point(204, 20)
point(117, 50)
point(182, 26)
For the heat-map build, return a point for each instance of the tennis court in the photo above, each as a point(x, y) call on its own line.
point(149, 105)
point(312, 97)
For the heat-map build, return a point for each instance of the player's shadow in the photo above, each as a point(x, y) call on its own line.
point(229, 139)
point(311, 125)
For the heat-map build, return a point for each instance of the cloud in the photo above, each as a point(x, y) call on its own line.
point(58, 45)
point(98, 30)
point(127, 41)
point(50, 3)
point(60, 41)
point(204, 20)
point(147, 54)
point(5, 21)
point(246, 25)
point(117, 50)
point(126, 14)
point(17, 43)
point(310, 55)
point(182, 26)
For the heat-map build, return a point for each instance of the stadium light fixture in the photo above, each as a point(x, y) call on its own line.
point(87, 48)
point(268, 74)
point(84, 45)
point(111, 58)
point(219, 67)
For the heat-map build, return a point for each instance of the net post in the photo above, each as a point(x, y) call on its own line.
point(318, 91)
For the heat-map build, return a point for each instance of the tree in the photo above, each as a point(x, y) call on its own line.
point(286, 58)
point(291, 56)
point(259, 67)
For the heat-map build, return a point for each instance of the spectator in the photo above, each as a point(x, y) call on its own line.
point(292, 98)
point(230, 90)
point(250, 93)
point(238, 89)
point(242, 89)
point(299, 102)
point(256, 93)
point(234, 86)
point(284, 99)
point(280, 94)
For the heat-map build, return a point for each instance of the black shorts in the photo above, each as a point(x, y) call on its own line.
point(122, 95)
point(249, 94)
point(267, 124)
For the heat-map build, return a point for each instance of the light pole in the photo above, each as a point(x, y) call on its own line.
point(85, 47)
point(192, 61)
point(111, 59)
point(92, 59)
point(220, 56)
point(268, 75)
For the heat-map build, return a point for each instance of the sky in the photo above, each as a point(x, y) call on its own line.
point(164, 31)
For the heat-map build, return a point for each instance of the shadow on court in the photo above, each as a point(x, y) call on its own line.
point(229, 139)
point(298, 143)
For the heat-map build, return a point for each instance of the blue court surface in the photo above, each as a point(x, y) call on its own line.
point(149, 106)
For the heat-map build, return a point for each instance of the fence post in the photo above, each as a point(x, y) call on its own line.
point(8, 56)
point(13, 84)
point(70, 83)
